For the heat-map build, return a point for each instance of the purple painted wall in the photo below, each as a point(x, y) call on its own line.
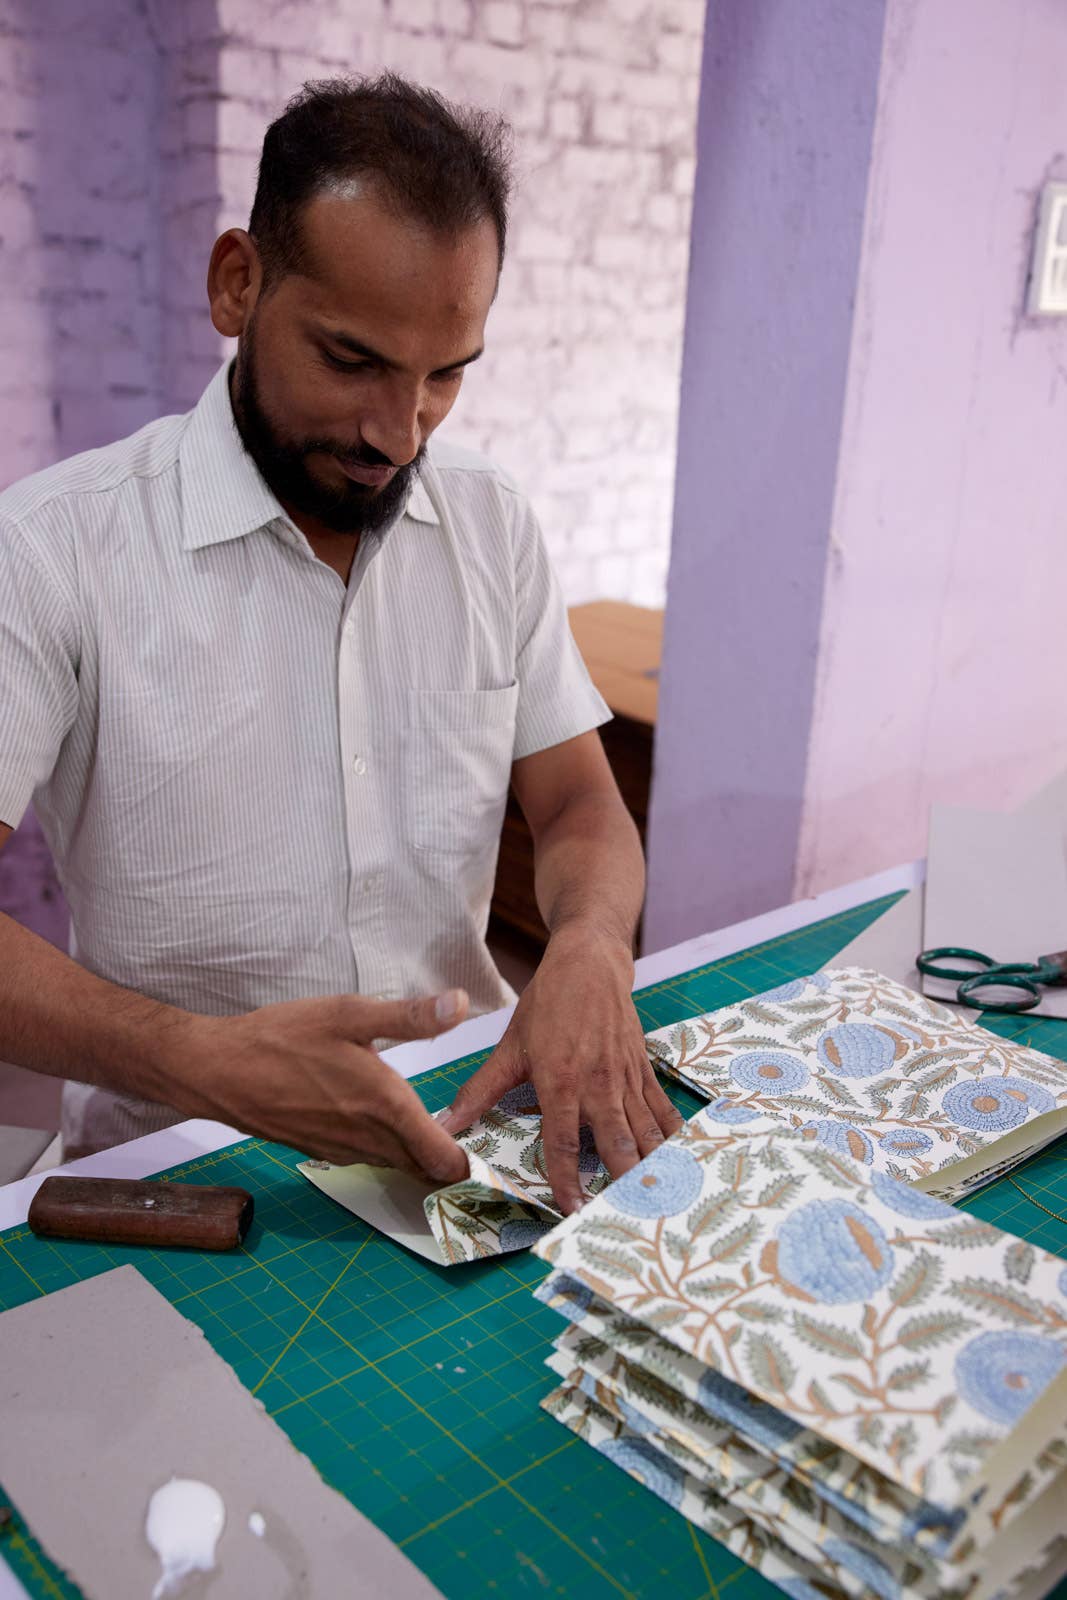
point(941, 666)
point(106, 207)
point(787, 113)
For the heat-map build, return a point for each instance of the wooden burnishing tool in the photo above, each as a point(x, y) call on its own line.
point(125, 1211)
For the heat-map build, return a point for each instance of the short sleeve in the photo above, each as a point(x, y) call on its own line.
point(557, 699)
point(38, 678)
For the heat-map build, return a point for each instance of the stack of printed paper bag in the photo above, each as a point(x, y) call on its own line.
point(871, 1069)
point(856, 1388)
point(858, 1063)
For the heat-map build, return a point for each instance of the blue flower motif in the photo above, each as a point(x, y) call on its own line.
point(576, 1297)
point(857, 1050)
point(784, 991)
point(928, 1517)
point(909, 1202)
point(520, 1101)
point(842, 1137)
point(769, 1071)
point(1036, 1095)
point(634, 1419)
point(518, 1233)
point(726, 1110)
point(1002, 1373)
point(834, 1251)
point(645, 1463)
point(991, 1105)
point(666, 1182)
point(864, 1564)
point(907, 1141)
point(799, 1589)
point(754, 1419)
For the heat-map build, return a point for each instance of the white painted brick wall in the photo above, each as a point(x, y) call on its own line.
point(105, 238)
point(577, 394)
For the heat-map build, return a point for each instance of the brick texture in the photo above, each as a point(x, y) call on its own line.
point(129, 133)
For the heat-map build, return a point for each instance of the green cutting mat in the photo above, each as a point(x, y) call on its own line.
point(415, 1389)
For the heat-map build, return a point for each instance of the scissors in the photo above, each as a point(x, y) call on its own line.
point(1027, 977)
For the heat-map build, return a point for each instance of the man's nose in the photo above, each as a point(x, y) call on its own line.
point(392, 427)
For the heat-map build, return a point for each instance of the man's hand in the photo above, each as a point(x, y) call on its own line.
point(576, 1037)
point(306, 1074)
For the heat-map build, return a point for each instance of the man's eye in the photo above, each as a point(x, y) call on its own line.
point(346, 366)
point(449, 377)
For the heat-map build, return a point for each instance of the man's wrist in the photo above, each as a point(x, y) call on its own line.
point(585, 932)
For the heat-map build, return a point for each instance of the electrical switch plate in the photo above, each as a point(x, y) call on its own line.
point(1048, 268)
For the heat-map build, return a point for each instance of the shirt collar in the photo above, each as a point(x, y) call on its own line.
point(224, 495)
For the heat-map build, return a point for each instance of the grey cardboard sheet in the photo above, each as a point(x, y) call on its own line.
point(106, 1392)
point(997, 882)
point(891, 944)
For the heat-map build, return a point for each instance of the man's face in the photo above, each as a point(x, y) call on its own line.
point(343, 374)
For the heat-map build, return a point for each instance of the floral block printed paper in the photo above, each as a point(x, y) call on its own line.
point(868, 1068)
point(915, 1338)
point(710, 1413)
point(767, 1494)
point(836, 1567)
point(504, 1204)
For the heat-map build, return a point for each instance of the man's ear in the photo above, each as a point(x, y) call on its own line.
point(234, 281)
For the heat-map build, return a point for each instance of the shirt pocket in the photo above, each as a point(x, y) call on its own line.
point(459, 766)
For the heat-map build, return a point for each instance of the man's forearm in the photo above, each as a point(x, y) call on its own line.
point(589, 869)
point(59, 1019)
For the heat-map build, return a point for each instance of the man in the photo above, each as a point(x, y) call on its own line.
point(267, 670)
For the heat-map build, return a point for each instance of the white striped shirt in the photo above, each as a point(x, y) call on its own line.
point(259, 785)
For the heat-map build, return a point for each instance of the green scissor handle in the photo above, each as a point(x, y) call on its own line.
point(1000, 978)
point(930, 962)
point(1025, 976)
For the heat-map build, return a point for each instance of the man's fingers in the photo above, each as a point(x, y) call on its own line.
point(646, 1130)
point(431, 1149)
point(484, 1088)
point(363, 1020)
point(670, 1119)
point(615, 1142)
point(562, 1145)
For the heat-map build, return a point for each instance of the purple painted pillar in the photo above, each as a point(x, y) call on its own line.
point(99, 235)
point(787, 113)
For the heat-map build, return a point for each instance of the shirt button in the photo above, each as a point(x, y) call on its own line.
point(359, 766)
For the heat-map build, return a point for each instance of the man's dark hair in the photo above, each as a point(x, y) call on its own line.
point(445, 166)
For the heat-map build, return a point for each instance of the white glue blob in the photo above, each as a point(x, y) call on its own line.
point(185, 1519)
point(257, 1524)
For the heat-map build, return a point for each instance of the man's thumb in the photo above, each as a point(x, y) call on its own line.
point(414, 1019)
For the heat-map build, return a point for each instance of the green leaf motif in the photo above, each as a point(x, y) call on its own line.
point(644, 1387)
point(735, 1243)
point(970, 1444)
point(710, 1212)
point(1000, 1300)
point(818, 1397)
point(918, 1280)
point(779, 1192)
point(613, 1262)
point(798, 1494)
point(712, 1288)
point(829, 1339)
point(683, 1038)
point(732, 1164)
point(1018, 1261)
point(770, 1366)
point(902, 1441)
point(968, 1235)
point(932, 1328)
point(909, 1376)
point(870, 1431)
point(754, 1311)
point(827, 1166)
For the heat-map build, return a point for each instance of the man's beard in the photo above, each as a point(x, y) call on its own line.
point(348, 508)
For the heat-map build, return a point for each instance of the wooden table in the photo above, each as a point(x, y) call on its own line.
point(621, 646)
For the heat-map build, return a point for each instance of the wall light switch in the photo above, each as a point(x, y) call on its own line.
point(1048, 268)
